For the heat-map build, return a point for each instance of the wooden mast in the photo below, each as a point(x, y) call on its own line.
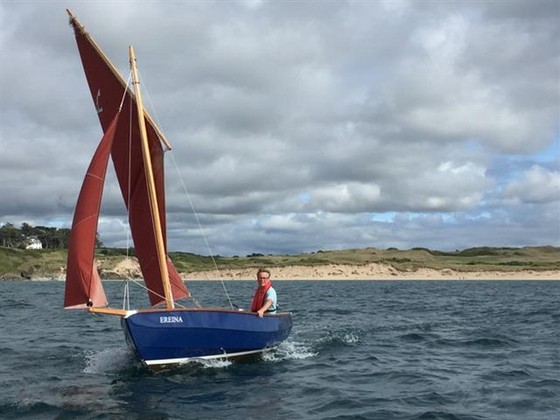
point(161, 254)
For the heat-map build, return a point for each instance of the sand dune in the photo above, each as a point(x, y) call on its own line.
point(371, 272)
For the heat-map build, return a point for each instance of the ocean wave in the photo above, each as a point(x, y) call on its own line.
point(342, 338)
point(28, 409)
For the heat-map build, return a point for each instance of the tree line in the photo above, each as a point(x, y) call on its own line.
point(51, 238)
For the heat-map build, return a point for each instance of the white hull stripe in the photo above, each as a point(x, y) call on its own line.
point(192, 359)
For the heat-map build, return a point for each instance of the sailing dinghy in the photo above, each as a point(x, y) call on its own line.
point(166, 333)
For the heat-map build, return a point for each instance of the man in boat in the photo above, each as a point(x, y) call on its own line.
point(265, 298)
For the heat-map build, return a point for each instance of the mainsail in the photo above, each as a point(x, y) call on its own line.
point(107, 89)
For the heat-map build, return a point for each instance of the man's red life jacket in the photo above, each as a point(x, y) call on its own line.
point(259, 297)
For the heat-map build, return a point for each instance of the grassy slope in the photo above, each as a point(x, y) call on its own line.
point(50, 263)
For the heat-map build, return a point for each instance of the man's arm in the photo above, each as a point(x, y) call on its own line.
point(264, 308)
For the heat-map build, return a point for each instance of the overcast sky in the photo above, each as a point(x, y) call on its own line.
point(300, 126)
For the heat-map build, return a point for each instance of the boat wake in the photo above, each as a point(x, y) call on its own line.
point(209, 363)
point(108, 360)
point(289, 350)
point(115, 359)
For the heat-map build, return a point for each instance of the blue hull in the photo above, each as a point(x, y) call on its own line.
point(163, 337)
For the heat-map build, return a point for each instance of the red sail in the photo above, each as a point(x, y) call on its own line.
point(107, 88)
point(83, 285)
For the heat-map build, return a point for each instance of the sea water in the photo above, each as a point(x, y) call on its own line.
point(358, 350)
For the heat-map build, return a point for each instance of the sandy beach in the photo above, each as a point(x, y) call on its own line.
point(348, 272)
point(130, 268)
point(371, 272)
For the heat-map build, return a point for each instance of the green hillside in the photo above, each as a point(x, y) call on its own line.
point(17, 263)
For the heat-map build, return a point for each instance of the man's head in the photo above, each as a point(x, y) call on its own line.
point(263, 276)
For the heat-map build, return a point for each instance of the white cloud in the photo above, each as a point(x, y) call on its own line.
point(293, 124)
point(537, 185)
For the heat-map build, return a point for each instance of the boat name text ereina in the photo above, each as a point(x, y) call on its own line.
point(170, 319)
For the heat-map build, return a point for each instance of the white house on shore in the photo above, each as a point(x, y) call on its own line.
point(33, 243)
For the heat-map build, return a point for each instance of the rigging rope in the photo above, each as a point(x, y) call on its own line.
point(143, 286)
point(201, 229)
point(195, 301)
point(185, 189)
